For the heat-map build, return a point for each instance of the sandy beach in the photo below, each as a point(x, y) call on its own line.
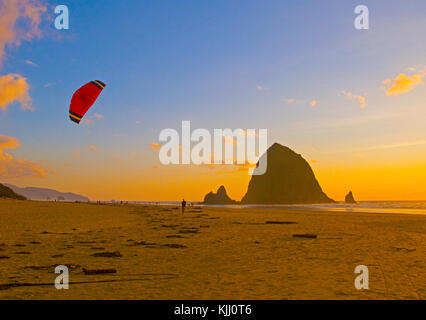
point(208, 253)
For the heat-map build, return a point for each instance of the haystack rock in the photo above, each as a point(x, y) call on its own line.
point(350, 198)
point(220, 197)
point(288, 179)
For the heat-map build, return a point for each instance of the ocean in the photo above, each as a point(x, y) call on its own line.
point(400, 207)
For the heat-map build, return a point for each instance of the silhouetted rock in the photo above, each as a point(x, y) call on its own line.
point(6, 192)
point(288, 179)
point(350, 198)
point(220, 197)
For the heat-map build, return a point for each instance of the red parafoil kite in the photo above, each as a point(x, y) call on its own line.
point(84, 98)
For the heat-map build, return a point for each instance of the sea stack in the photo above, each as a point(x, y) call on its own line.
point(220, 197)
point(289, 179)
point(350, 198)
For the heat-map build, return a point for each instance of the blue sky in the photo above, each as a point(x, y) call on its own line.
point(219, 64)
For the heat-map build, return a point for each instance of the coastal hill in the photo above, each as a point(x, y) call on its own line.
point(220, 197)
point(6, 192)
point(289, 179)
point(43, 194)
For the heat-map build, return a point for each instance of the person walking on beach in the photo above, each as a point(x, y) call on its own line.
point(183, 206)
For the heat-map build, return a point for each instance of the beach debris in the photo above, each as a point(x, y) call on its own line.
point(97, 248)
point(143, 243)
point(52, 267)
point(57, 256)
point(169, 225)
point(22, 252)
point(189, 230)
point(115, 254)
point(280, 222)
point(306, 235)
point(174, 236)
point(19, 245)
point(404, 249)
point(98, 271)
point(35, 242)
point(174, 245)
point(4, 257)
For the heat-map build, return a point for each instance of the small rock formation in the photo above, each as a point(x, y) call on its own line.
point(350, 198)
point(288, 179)
point(6, 192)
point(220, 197)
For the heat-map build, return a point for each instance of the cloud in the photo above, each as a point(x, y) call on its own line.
point(92, 148)
point(87, 121)
point(19, 21)
point(8, 143)
point(397, 145)
point(91, 120)
point(14, 88)
point(352, 96)
point(290, 100)
point(97, 116)
point(155, 146)
point(314, 103)
point(260, 88)
point(11, 167)
point(402, 83)
point(29, 62)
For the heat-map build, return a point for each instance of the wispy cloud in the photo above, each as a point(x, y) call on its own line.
point(11, 167)
point(351, 96)
point(14, 88)
point(402, 83)
point(289, 100)
point(397, 145)
point(91, 120)
point(91, 147)
point(155, 146)
point(25, 13)
point(261, 88)
point(98, 116)
point(31, 63)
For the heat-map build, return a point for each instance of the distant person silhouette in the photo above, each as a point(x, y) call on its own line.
point(183, 206)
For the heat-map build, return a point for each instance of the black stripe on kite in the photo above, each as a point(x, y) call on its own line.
point(75, 114)
point(101, 83)
point(98, 85)
point(75, 120)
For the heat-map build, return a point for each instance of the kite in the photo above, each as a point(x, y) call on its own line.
point(84, 98)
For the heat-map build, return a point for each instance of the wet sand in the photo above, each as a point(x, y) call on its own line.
point(208, 253)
